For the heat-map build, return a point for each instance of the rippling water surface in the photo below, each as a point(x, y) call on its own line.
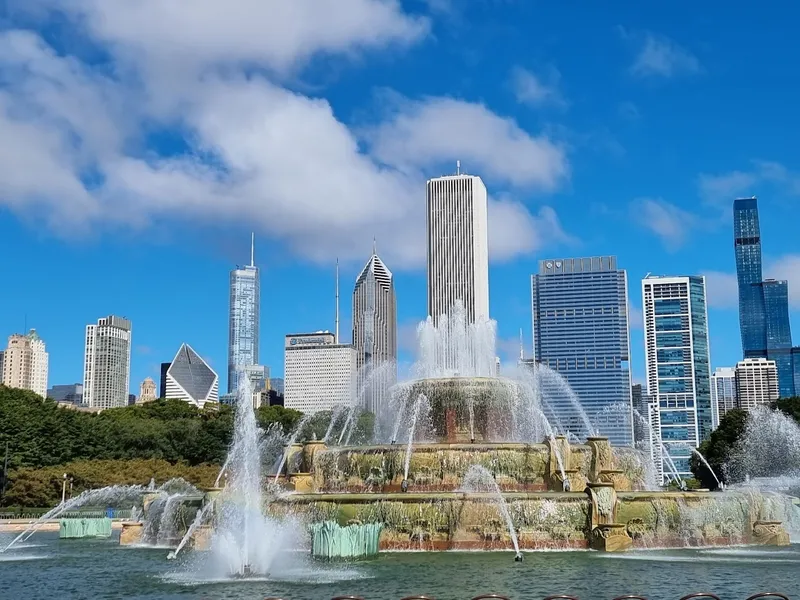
point(101, 569)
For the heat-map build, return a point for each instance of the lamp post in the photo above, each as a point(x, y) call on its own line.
point(64, 489)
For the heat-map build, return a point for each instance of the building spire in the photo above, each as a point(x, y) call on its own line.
point(374, 246)
point(252, 249)
point(458, 167)
point(336, 338)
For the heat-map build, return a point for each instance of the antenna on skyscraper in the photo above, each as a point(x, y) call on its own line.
point(458, 167)
point(252, 249)
point(336, 340)
point(374, 246)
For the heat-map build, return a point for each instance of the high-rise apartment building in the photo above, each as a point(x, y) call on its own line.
point(244, 319)
point(25, 363)
point(458, 246)
point(319, 374)
point(189, 378)
point(580, 330)
point(107, 363)
point(375, 331)
point(763, 304)
point(677, 362)
point(756, 382)
point(723, 392)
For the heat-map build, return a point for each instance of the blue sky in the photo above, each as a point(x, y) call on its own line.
point(142, 142)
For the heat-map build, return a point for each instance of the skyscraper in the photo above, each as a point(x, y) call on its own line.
point(244, 319)
point(189, 378)
point(763, 304)
point(319, 373)
point(677, 361)
point(375, 331)
point(458, 247)
point(580, 329)
point(756, 382)
point(723, 392)
point(25, 363)
point(107, 363)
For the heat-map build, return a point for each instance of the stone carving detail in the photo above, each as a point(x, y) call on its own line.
point(611, 537)
point(771, 533)
point(636, 528)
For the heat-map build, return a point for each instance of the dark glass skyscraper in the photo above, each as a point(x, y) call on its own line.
point(763, 304)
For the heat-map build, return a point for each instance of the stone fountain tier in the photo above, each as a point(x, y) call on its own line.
point(597, 518)
point(465, 409)
point(441, 467)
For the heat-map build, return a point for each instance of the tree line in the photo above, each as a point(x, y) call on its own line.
point(161, 439)
point(721, 445)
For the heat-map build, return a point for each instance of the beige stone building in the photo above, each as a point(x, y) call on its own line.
point(147, 391)
point(25, 363)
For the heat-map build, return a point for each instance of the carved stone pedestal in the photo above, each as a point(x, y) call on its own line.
point(770, 533)
point(201, 540)
point(611, 537)
point(131, 533)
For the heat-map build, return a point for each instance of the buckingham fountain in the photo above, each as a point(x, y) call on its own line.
point(461, 458)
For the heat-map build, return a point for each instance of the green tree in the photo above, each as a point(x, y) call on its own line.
point(718, 447)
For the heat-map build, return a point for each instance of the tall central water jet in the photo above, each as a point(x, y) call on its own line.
point(244, 541)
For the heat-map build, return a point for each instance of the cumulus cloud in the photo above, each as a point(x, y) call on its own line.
point(249, 150)
point(667, 221)
point(439, 130)
point(722, 289)
point(723, 188)
point(659, 56)
point(787, 267)
point(535, 90)
point(513, 230)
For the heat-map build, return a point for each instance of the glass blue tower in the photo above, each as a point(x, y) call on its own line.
point(580, 330)
point(763, 304)
point(677, 360)
point(243, 320)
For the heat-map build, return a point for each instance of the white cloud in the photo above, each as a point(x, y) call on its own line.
point(439, 130)
point(662, 57)
point(726, 187)
point(514, 231)
point(256, 153)
point(722, 289)
point(666, 220)
point(535, 90)
point(635, 317)
point(723, 188)
point(272, 33)
point(787, 267)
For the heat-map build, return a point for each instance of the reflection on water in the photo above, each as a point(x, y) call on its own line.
point(70, 568)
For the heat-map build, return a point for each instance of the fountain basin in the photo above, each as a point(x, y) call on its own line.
point(467, 409)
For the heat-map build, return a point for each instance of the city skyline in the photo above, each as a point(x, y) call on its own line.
point(605, 138)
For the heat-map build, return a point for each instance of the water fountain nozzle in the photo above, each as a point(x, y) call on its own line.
point(404, 485)
point(518, 557)
point(471, 440)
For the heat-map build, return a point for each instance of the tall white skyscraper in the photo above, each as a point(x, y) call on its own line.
point(677, 360)
point(375, 331)
point(723, 392)
point(756, 382)
point(319, 374)
point(458, 246)
point(107, 363)
point(244, 319)
point(25, 363)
